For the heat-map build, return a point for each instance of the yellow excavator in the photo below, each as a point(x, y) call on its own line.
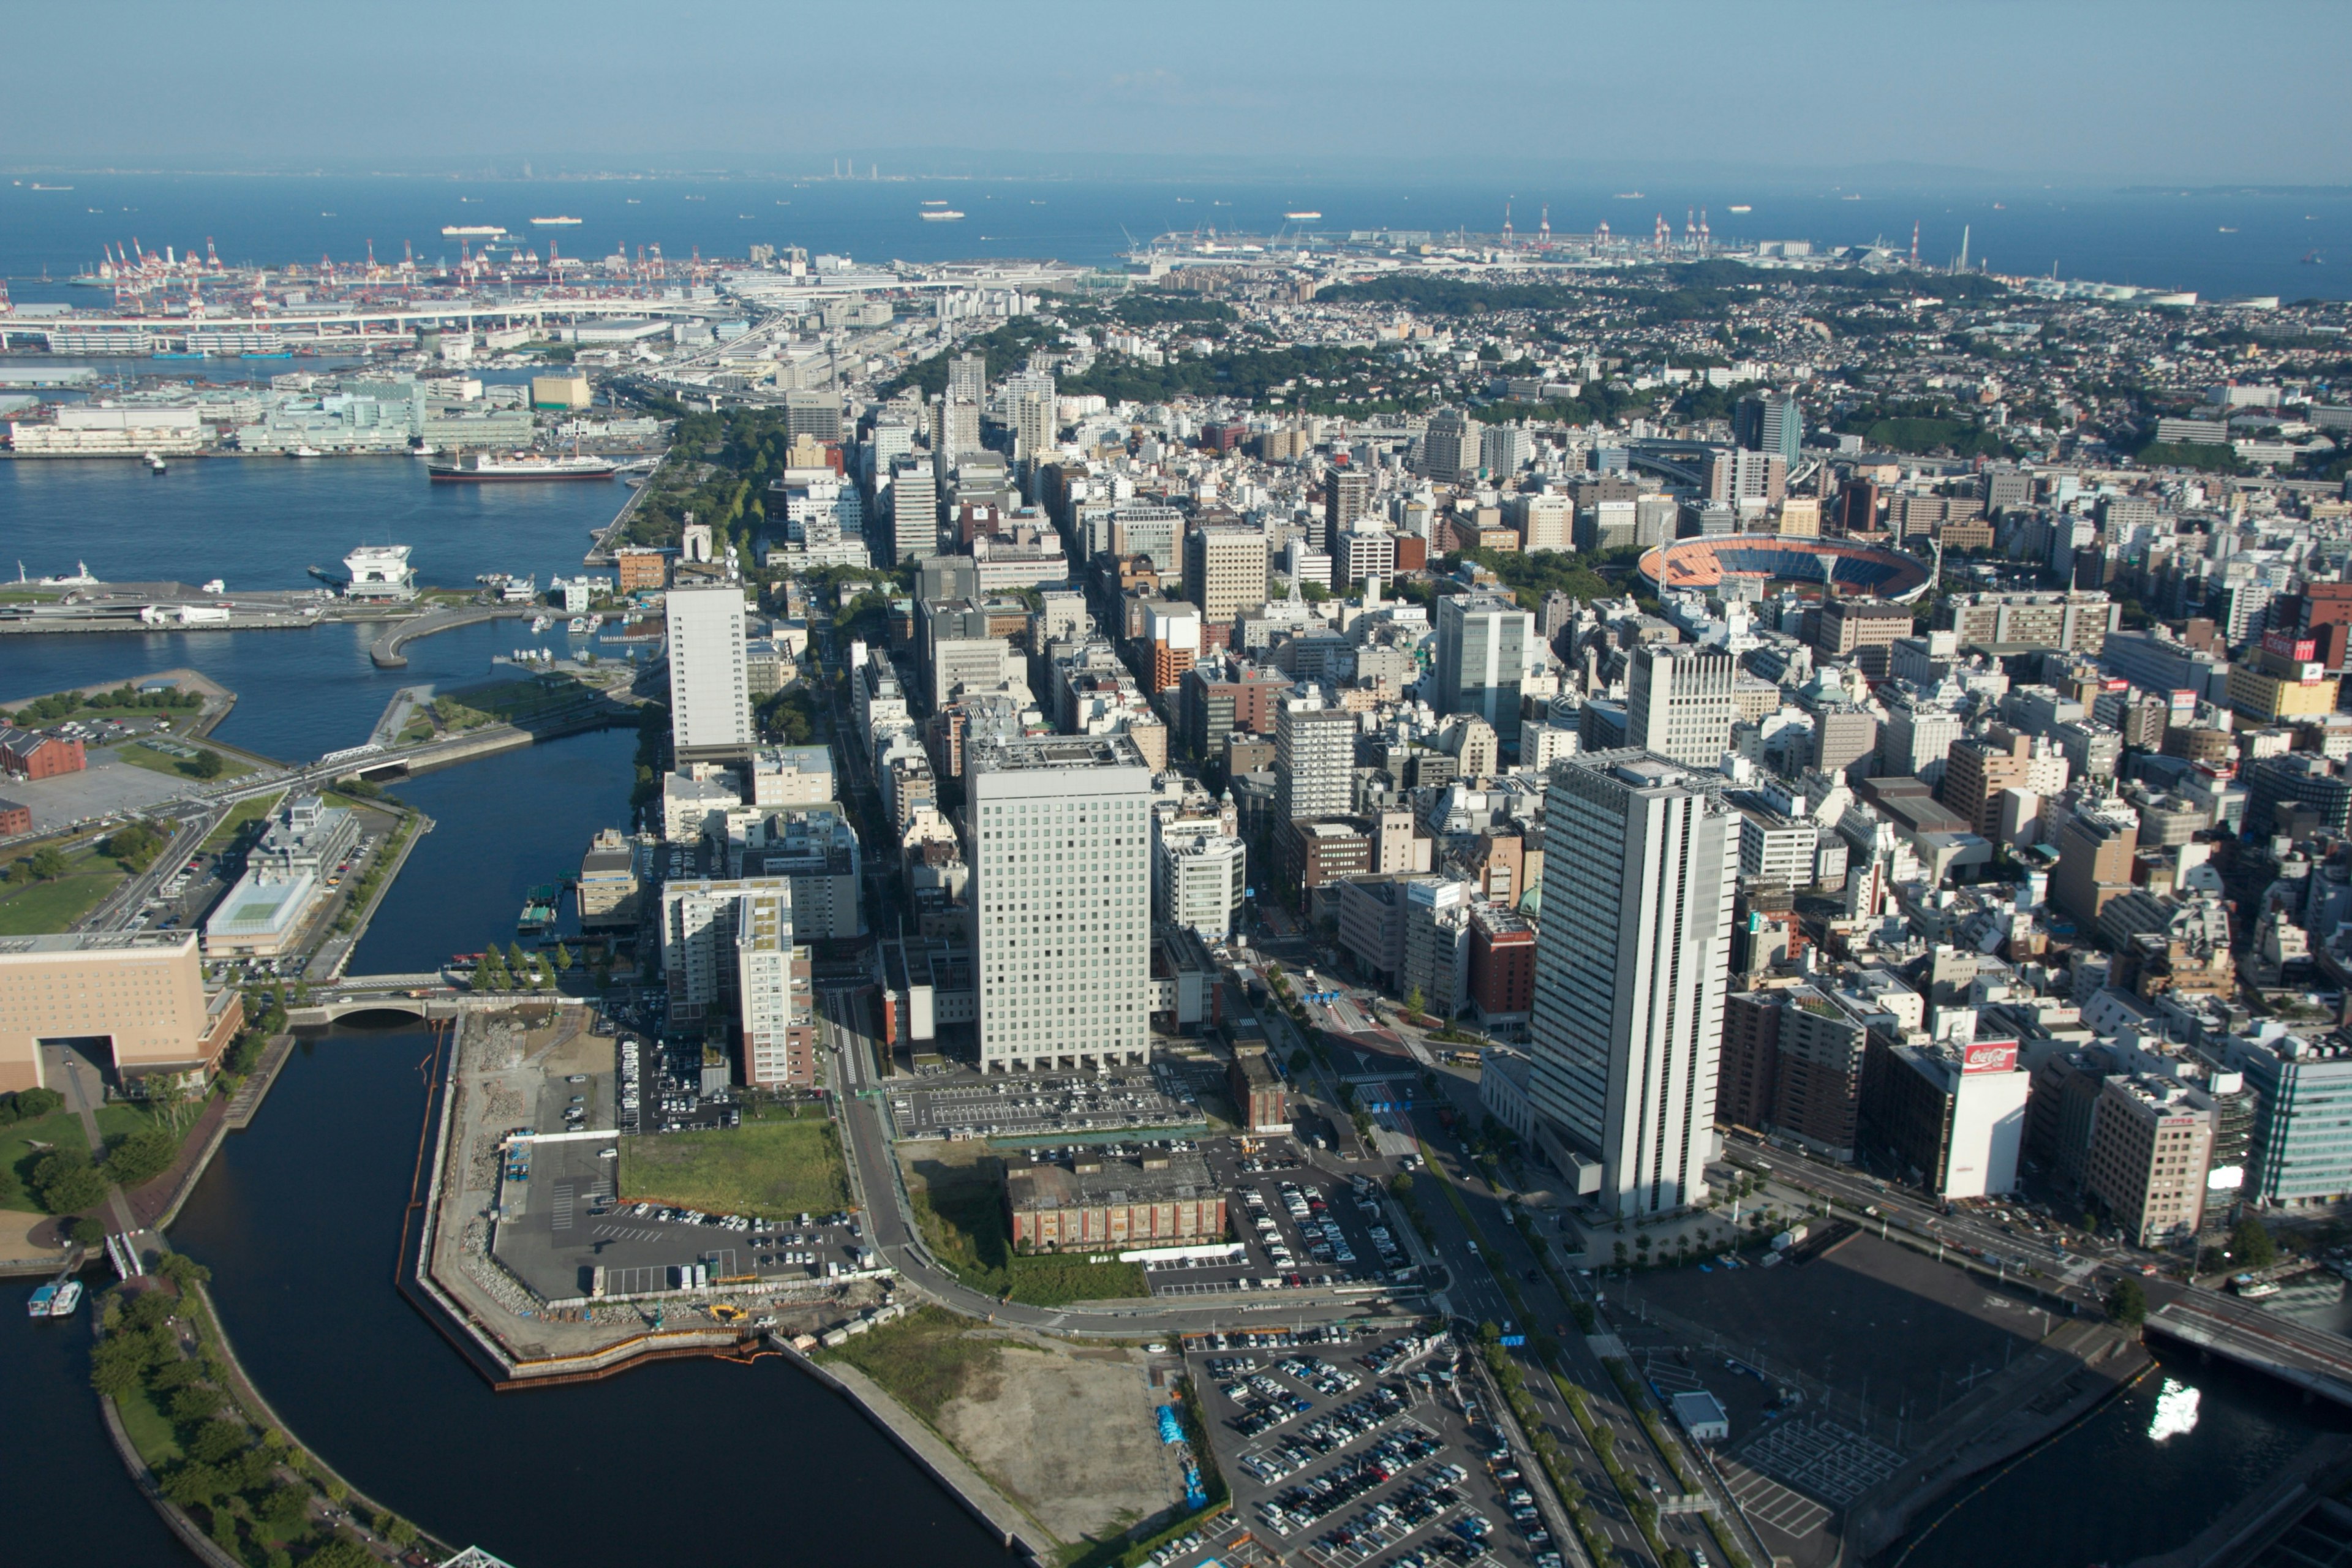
point(726, 1313)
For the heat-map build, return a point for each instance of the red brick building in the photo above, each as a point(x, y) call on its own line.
point(30, 754)
point(14, 818)
point(1502, 966)
point(1095, 1202)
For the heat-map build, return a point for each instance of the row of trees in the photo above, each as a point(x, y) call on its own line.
point(253, 1491)
point(516, 970)
point(65, 704)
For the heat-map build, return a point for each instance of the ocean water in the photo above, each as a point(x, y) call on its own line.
point(2217, 243)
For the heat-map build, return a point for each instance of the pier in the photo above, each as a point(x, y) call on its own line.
point(385, 649)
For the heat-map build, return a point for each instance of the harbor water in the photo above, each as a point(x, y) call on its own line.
point(2219, 242)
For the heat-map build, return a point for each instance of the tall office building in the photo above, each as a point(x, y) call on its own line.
point(1060, 831)
point(1449, 448)
point(1224, 572)
point(1771, 422)
point(1347, 496)
point(955, 431)
point(967, 379)
point(1679, 703)
point(1485, 645)
point(1314, 759)
point(709, 700)
point(813, 413)
point(1640, 860)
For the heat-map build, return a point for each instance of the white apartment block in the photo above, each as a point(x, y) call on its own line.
point(1060, 836)
point(710, 699)
point(1314, 758)
point(1202, 876)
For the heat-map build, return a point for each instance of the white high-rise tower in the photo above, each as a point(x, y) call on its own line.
point(1060, 834)
point(1640, 858)
point(709, 700)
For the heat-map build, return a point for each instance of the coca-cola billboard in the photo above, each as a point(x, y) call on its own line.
point(1988, 1055)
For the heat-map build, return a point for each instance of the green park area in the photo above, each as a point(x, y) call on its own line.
point(49, 887)
point(960, 1205)
point(36, 1128)
point(774, 1163)
point(241, 814)
point(123, 702)
point(180, 760)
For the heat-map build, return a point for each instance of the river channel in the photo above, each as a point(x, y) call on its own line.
point(299, 1216)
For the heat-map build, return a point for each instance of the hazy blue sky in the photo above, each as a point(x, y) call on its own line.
point(2145, 91)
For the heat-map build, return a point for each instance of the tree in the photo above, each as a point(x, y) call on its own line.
point(140, 1157)
point(342, 1553)
point(1414, 1001)
point(2251, 1246)
point(562, 958)
point(517, 964)
point(2128, 1303)
point(47, 863)
point(86, 1232)
point(64, 1180)
point(206, 764)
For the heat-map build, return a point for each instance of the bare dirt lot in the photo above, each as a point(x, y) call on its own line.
point(1069, 1434)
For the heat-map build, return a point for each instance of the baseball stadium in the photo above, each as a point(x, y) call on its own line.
point(1848, 568)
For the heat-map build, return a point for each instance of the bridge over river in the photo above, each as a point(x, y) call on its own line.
point(2314, 1360)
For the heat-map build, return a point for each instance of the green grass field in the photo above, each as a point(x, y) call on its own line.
point(150, 1428)
point(245, 811)
point(139, 754)
point(923, 1360)
point(30, 909)
point(59, 1130)
point(773, 1166)
point(961, 1211)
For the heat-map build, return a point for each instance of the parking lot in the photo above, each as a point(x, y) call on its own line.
point(1045, 1105)
point(1346, 1451)
point(561, 1223)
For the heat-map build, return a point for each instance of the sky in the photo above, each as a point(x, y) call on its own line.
point(2151, 92)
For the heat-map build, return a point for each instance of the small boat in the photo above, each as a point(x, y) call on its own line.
point(2225, 229)
point(155, 464)
point(305, 452)
point(539, 623)
point(2313, 258)
point(68, 1301)
point(577, 626)
point(539, 908)
point(1739, 207)
point(44, 1298)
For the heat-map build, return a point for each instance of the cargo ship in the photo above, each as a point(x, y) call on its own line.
point(472, 231)
point(482, 466)
point(554, 223)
